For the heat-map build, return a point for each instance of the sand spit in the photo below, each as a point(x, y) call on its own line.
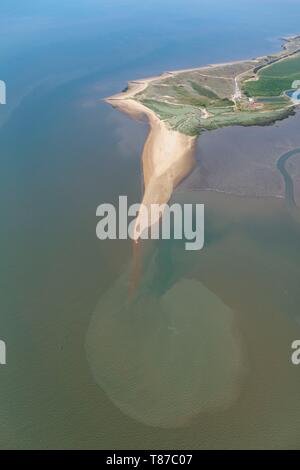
point(168, 156)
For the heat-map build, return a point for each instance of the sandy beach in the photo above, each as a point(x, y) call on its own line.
point(168, 156)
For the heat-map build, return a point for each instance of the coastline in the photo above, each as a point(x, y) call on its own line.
point(169, 155)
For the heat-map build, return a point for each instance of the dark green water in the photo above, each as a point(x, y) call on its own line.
point(201, 358)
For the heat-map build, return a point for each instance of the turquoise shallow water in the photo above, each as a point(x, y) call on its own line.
point(63, 152)
point(293, 93)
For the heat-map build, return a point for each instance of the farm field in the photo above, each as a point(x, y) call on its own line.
point(275, 79)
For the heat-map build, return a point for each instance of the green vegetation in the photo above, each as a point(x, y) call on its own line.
point(185, 119)
point(189, 120)
point(267, 87)
point(276, 100)
point(288, 67)
point(185, 97)
point(201, 90)
point(274, 79)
